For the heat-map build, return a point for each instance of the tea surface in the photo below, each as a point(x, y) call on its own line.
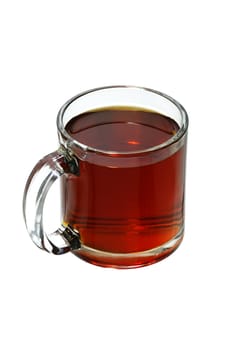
point(121, 130)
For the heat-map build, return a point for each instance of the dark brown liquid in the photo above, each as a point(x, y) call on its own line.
point(124, 207)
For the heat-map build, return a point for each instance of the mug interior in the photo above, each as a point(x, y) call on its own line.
point(121, 96)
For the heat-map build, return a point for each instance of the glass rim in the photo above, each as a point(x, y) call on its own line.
point(86, 148)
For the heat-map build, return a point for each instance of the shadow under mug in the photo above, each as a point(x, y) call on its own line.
point(120, 209)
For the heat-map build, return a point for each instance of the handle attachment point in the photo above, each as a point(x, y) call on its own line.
point(66, 235)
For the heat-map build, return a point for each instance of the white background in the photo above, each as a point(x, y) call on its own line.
point(52, 50)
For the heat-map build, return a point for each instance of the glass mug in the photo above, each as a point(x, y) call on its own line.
point(121, 162)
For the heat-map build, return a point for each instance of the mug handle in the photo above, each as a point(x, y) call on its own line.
point(44, 174)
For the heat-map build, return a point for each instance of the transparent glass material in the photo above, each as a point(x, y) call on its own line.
point(123, 207)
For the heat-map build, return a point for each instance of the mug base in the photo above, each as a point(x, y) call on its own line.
point(129, 260)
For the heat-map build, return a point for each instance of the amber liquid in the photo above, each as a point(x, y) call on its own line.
point(124, 207)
